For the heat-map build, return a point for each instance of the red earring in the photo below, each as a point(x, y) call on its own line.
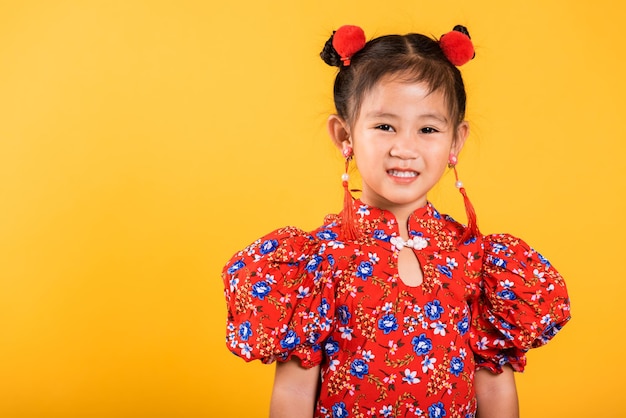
point(472, 224)
point(348, 227)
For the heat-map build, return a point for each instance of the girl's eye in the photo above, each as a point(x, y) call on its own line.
point(385, 127)
point(428, 130)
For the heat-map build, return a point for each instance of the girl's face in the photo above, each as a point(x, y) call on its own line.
point(402, 141)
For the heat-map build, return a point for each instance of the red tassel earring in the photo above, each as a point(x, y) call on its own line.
point(472, 225)
point(348, 227)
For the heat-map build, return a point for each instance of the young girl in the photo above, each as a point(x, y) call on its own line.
point(392, 308)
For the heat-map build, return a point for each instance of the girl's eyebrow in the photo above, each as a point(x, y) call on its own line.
point(436, 116)
point(378, 114)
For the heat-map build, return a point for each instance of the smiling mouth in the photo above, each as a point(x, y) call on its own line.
point(404, 174)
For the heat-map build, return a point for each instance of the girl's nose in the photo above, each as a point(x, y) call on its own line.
point(404, 147)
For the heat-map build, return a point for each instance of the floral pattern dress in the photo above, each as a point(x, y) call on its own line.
point(385, 348)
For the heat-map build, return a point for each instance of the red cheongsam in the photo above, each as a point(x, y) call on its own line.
point(387, 349)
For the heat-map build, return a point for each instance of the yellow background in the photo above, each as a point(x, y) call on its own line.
point(143, 142)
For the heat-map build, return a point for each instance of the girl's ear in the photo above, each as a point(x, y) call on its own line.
point(339, 132)
point(462, 132)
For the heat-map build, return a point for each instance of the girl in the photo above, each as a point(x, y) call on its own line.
point(392, 308)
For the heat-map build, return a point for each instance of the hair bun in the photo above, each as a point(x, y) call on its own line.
point(462, 29)
point(329, 55)
point(457, 45)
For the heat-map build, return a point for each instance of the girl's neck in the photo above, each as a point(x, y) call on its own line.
point(402, 217)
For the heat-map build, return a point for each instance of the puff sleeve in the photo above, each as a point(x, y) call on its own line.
point(523, 303)
point(280, 298)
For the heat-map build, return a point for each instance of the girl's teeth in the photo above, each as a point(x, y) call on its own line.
point(403, 173)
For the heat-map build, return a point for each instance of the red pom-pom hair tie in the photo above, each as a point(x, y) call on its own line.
point(457, 46)
point(347, 41)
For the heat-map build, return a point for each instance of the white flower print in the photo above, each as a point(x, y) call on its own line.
point(410, 377)
point(507, 284)
point(367, 355)
point(539, 275)
point(440, 328)
point(451, 262)
point(482, 344)
point(346, 333)
point(245, 349)
point(336, 244)
point(303, 292)
point(428, 364)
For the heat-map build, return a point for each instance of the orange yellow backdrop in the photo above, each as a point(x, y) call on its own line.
point(142, 142)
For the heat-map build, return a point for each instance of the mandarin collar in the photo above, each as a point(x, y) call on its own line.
point(381, 224)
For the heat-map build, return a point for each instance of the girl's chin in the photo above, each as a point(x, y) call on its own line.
point(395, 202)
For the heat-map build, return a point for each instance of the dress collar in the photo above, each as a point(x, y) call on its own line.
point(381, 224)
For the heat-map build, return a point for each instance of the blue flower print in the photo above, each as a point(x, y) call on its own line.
point(245, 331)
point(388, 323)
point(313, 263)
point(331, 259)
point(550, 331)
point(445, 270)
point(236, 266)
point(498, 262)
point(456, 366)
point(469, 241)
point(339, 410)
point(463, 325)
point(433, 310)
point(268, 246)
point(313, 337)
point(436, 214)
point(343, 312)
point(261, 289)
point(379, 234)
point(326, 235)
point(331, 346)
point(363, 210)
point(507, 294)
point(436, 410)
point(505, 324)
point(422, 344)
point(497, 247)
point(323, 308)
point(543, 260)
point(290, 340)
point(359, 368)
point(364, 270)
